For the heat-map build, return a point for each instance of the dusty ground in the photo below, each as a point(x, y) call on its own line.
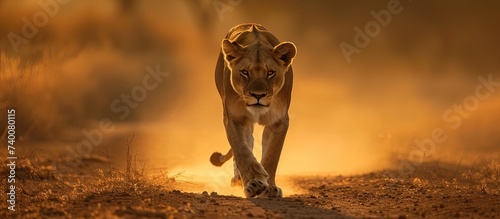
point(94, 189)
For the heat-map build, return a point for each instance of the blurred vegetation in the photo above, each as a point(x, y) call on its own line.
point(66, 77)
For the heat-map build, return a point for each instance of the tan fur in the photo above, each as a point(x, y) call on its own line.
point(254, 68)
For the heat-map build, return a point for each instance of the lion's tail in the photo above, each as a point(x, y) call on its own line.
point(217, 159)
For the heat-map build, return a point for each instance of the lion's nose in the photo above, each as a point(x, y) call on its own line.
point(258, 95)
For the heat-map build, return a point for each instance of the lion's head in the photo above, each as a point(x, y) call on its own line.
point(258, 70)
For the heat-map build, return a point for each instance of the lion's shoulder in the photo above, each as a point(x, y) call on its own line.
point(249, 33)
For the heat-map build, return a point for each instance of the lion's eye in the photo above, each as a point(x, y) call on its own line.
point(270, 74)
point(244, 73)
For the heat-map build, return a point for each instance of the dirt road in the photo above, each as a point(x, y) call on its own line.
point(94, 190)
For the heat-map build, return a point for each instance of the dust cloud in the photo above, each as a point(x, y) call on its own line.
point(366, 111)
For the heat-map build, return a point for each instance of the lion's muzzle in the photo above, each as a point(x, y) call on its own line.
point(257, 99)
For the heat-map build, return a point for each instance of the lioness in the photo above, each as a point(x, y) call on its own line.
point(254, 78)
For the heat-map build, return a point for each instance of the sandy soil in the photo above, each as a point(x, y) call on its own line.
point(95, 190)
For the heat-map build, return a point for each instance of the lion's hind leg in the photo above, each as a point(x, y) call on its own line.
point(236, 180)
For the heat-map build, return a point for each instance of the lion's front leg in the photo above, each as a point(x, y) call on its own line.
point(272, 144)
point(253, 175)
point(236, 180)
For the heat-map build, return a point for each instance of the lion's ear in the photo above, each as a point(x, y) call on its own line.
point(231, 50)
point(285, 52)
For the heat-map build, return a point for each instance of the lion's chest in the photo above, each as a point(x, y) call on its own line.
point(263, 115)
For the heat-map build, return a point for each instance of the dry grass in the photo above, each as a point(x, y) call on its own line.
point(481, 177)
point(48, 188)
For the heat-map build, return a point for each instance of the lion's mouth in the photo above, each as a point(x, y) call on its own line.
point(257, 105)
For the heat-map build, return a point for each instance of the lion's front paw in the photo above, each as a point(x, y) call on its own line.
point(254, 188)
point(272, 192)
